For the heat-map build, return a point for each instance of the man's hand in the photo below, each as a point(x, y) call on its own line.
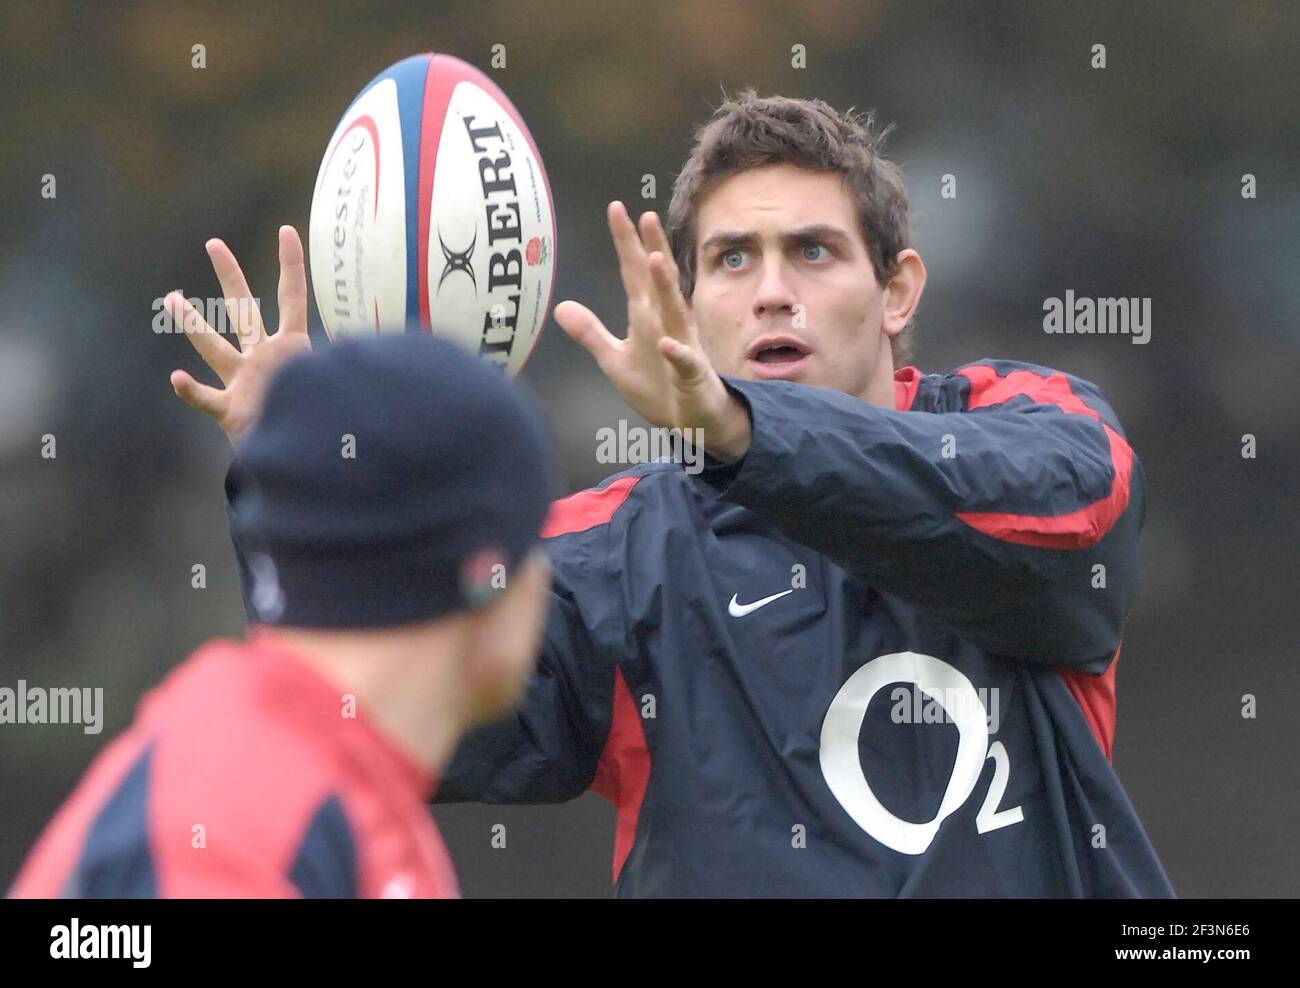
point(660, 368)
point(245, 371)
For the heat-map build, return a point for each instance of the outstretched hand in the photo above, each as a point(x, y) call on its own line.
point(659, 367)
point(245, 370)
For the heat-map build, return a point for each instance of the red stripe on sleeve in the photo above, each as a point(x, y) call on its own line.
point(1096, 697)
point(1077, 529)
point(624, 766)
point(587, 509)
point(624, 769)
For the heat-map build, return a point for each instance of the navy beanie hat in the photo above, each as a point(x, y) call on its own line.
point(389, 480)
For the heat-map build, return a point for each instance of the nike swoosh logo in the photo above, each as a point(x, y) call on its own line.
point(736, 609)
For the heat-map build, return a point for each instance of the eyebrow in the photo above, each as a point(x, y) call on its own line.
point(731, 239)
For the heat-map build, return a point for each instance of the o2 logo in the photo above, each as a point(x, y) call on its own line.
point(842, 765)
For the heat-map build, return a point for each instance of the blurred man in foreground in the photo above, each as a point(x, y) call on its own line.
point(392, 493)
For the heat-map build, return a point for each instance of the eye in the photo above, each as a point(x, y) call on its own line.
point(809, 252)
point(739, 259)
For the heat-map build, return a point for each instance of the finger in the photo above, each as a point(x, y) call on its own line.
point(293, 283)
point(240, 304)
point(208, 400)
point(672, 307)
point(655, 238)
point(584, 328)
point(218, 353)
point(689, 364)
point(631, 254)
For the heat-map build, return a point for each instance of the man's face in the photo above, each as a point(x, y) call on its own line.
point(784, 286)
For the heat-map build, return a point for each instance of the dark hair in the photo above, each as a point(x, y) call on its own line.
point(750, 131)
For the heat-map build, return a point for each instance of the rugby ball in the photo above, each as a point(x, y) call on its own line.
point(432, 213)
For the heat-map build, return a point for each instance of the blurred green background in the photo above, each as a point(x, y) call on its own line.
point(1123, 181)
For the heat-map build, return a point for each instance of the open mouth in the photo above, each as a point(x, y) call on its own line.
point(784, 354)
point(777, 356)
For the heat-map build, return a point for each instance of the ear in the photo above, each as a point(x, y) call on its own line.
point(902, 294)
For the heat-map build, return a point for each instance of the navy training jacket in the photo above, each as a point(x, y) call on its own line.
point(875, 657)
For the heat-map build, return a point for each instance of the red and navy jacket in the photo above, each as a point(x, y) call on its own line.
point(245, 775)
point(875, 657)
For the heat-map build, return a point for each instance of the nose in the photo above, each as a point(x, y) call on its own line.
point(774, 295)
